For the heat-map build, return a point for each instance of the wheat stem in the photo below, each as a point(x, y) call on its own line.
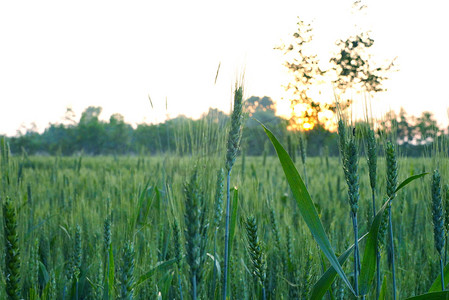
point(226, 258)
point(390, 227)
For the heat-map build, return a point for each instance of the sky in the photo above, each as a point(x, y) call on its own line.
point(115, 54)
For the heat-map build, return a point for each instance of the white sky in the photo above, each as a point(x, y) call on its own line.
point(113, 54)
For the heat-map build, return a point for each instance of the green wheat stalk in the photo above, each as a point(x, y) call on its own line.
point(255, 251)
point(446, 219)
point(127, 272)
point(352, 180)
point(372, 167)
point(195, 232)
point(178, 252)
point(218, 213)
point(235, 134)
point(438, 220)
point(392, 182)
point(12, 251)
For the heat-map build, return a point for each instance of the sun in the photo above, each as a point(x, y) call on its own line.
point(302, 119)
point(301, 124)
point(307, 126)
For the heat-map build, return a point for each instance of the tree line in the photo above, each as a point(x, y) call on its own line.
point(181, 135)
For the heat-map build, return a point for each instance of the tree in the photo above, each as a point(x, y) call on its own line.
point(90, 114)
point(255, 104)
point(405, 127)
point(118, 135)
point(90, 131)
point(69, 116)
point(426, 127)
point(353, 69)
point(353, 66)
point(215, 115)
point(306, 74)
point(263, 110)
point(409, 129)
point(59, 138)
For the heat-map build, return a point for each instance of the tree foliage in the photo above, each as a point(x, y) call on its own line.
point(411, 130)
point(354, 68)
point(306, 73)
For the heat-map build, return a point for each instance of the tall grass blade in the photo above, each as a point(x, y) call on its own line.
point(436, 285)
point(326, 280)
point(44, 273)
point(139, 214)
point(431, 296)
point(369, 256)
point(383, 289)
point(216, 263)
point(159, 267)
point(110, 279)
point(408, 180)
point(306, 206)
point(234, 206)
point(233, 223)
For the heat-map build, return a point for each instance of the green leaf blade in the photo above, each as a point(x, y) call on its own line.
point(232, 227)
point(159, 267)
point(306, 206)
point(326, 280)
point(408, 180)
point(436, 285)
point(368, 268)
point(383, 289)
point(431, 296)
point(233, 221)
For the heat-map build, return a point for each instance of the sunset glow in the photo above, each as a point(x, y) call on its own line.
point(300, 121)
point(300, 125)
